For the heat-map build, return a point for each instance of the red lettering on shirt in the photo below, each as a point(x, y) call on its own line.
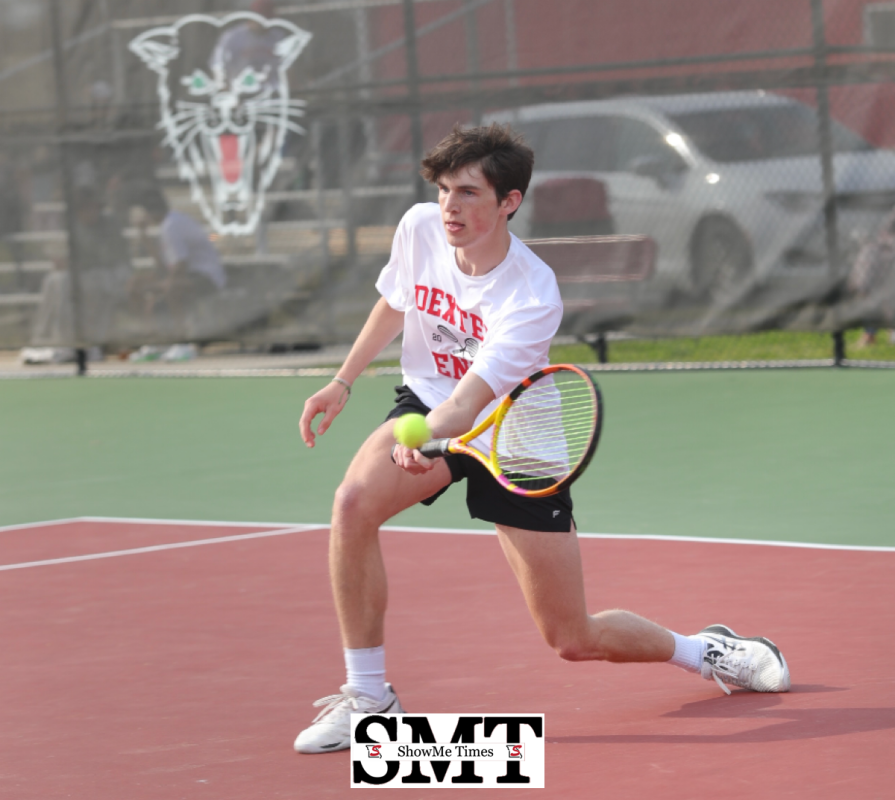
point(464, 315)
point(441, 362)
point(429, 299)
point(450, 314)
point(478, 328)
point(435, 301)
point(460, 365)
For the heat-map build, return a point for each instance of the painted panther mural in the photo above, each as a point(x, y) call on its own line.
point(225, 108)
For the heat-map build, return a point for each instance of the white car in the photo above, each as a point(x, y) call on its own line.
point(728, 184)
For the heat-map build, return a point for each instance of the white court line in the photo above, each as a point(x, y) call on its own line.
point(488, 532)
point(761, 542)
point(152, 521)
point(284, 529)
point(197, 522)
point(657, 538)
point(25, 525)
point(158, 547)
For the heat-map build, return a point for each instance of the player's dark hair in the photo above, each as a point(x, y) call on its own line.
point(502, 155)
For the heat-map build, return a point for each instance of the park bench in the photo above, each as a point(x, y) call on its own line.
point(599, 279)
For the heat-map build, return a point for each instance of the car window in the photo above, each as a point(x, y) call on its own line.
point(731, 135)
point(638, 140)
point(572, 145)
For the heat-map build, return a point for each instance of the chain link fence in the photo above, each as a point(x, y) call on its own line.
point(198, 172)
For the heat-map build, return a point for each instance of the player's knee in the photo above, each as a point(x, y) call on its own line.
point(568, 651)
point(568, 645)
point(353, 501)
point(578, 644)
point(349, 500)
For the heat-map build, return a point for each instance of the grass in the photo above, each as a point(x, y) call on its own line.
point(769, 346)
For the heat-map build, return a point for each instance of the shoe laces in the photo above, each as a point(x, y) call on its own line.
point(732, 665)
point(343, 703)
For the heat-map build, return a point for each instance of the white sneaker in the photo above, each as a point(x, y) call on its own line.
point(331, 728)
point(147, 352)
point(180, 352)
point(36, 355)
point(47, 355)
point(755, 664)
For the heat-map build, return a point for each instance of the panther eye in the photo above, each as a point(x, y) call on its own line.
point(198, 84)
point(249, 81)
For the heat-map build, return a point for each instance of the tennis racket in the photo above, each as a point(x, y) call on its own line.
point(544, 432)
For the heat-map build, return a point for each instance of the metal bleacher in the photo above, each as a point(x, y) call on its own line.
point(285, 268)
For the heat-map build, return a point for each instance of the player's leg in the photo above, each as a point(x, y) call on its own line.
point(539, 540)
point(547, 566)
point(373, 491)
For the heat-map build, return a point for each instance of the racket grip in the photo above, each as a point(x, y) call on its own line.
point(436, 448)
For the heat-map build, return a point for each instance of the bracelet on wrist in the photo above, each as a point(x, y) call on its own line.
point(344, 383)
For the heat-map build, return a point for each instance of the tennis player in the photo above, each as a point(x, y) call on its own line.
point(478, 311)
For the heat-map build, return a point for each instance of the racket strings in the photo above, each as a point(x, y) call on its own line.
point(540, 416)
point(572, 431)
point(547, 431)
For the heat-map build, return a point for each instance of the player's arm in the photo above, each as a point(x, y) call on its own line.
point(524, 338)
point(455, 416)
point(380, 329)
point(458, 413)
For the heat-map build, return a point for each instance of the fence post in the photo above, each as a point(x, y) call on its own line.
point(346, 169)
point(831, 212)
point(472, 58)
point(67, 188)
point(413, 96)
point(322, 210)
point(838, 348)
point(602, 348)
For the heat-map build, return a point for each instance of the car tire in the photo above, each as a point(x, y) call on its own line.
point(721, 261)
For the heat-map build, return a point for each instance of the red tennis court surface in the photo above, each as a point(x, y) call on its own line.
point(186, 672)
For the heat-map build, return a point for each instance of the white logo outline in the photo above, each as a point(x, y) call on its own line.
point(157, 48)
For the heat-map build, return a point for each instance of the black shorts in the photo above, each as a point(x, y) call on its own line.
point(486, 499)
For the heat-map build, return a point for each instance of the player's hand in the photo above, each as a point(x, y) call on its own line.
point(412, 461)
point(329, 401)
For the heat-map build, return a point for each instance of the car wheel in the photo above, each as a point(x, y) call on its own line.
point(722, 261)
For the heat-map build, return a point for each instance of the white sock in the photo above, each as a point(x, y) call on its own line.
point(688, 652)
point(366, 670)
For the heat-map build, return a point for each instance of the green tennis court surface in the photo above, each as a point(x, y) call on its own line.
point(803, 456)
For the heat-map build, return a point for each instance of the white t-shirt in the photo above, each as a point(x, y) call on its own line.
point(498, 325)
point(184, 239)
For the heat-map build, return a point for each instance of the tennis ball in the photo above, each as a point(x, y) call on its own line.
point(412, 431)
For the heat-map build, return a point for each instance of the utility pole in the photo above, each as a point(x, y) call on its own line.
point(67, 188)
point(413, 97)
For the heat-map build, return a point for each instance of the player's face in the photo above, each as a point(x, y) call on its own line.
point(470, 211)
